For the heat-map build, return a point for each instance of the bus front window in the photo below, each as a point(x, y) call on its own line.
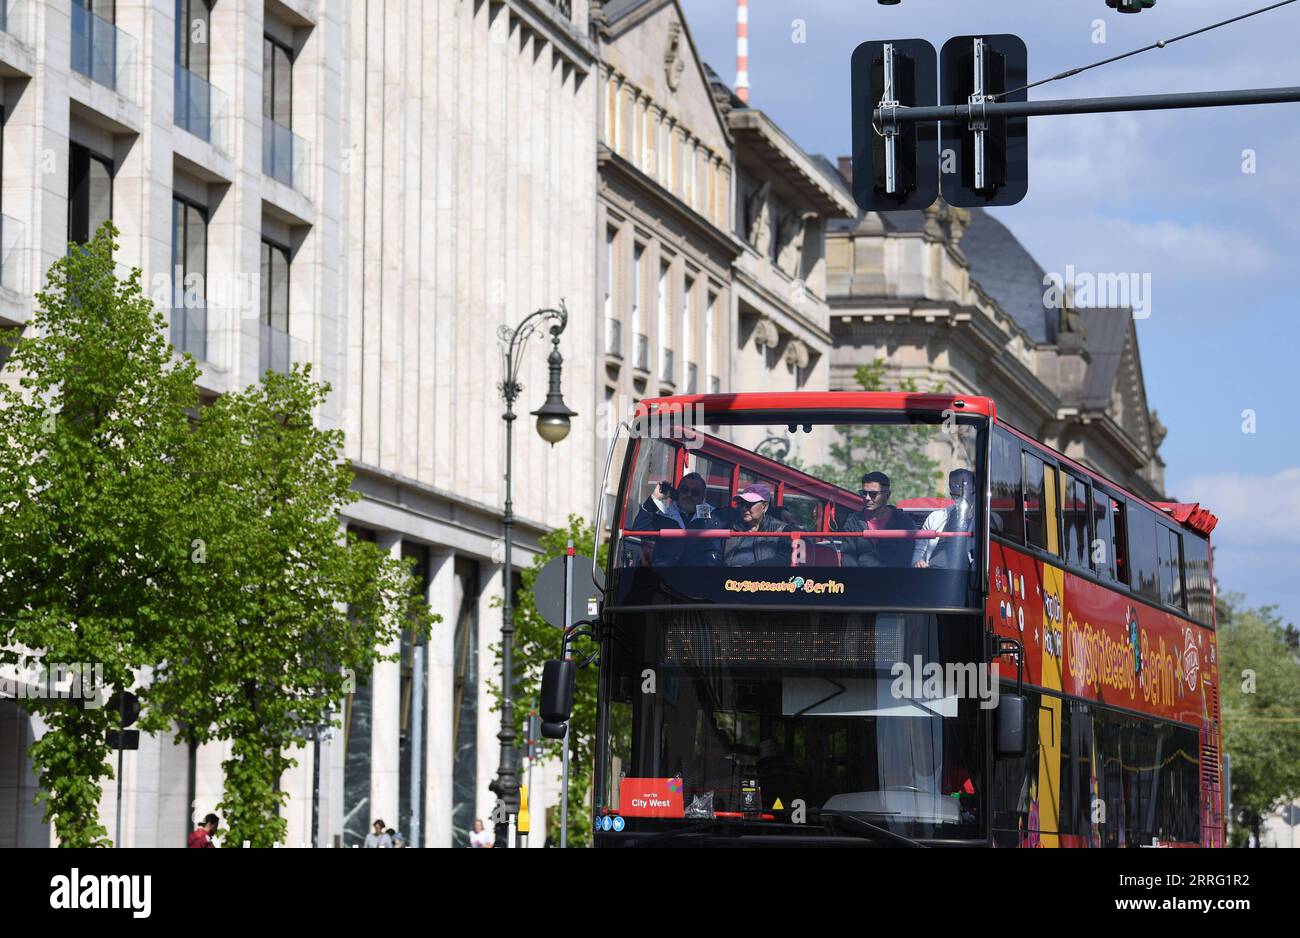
point(791, 723)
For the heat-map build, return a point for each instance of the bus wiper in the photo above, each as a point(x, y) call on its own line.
point(867, 829)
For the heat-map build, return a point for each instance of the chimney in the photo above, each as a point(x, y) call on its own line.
point(845, 165)
point(742, 50)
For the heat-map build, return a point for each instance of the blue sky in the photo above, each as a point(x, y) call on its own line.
point(1162, 193)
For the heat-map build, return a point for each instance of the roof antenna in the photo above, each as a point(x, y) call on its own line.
point(742, 50)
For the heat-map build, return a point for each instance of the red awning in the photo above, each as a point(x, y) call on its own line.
point(1192, 515)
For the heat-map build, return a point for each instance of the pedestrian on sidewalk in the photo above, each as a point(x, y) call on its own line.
point(379, 838)
point(202, 836)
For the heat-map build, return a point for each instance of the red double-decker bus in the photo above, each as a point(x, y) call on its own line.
point(892, 618)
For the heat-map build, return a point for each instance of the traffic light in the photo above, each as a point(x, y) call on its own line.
point(895, 165)
point(1130, 6)
point(985, 161)
point(127, 707)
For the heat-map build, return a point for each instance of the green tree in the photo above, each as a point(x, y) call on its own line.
point(1259, 681)
point(537, 641)
point(89, 438)
point(899, 451)
point(278, 608)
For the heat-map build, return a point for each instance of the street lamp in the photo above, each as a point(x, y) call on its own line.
point(553, 420)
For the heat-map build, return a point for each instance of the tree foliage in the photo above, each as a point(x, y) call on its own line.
point(278, 609)
point(192, 552)
point(537, 641)
point(89, 438)
point(1259, 680)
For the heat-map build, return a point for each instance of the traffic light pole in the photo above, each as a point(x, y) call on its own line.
point(965, 113)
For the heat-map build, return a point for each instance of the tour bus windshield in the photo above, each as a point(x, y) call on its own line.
point(846, 509)
point(794, 724)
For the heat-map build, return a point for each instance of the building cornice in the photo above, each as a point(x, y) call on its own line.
point(755, 130)
point(544, 19)
point(786, 314)
point(645, 194)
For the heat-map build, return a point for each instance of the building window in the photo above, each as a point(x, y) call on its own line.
point(189, 274)
point(275, 286)
point(90, 193)
point(412, 709)
point(708, 340)
point(193, 35)
point(688, 353)
point(640, 349)
point(274, 332)
point(277, 82)
point(464, 706)
point(663, 326)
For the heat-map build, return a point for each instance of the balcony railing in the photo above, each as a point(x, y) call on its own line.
point(692, 376)
point(13, 239)
point(284, 155)
point(190, 330)
point(102, 52)
point(641, 352)
point(666, 365)
point(278, 351)
point(201, 109)
point(614, 338)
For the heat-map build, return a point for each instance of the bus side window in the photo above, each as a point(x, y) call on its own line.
point(1102, 549)
point(1119, 540)
point(1077, 517)
point(1006, 509)
point(1169, 556)
point(1035, 529)
point(1143, 554)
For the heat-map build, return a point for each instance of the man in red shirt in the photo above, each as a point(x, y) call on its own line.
point(202, 837)
point(878, 515)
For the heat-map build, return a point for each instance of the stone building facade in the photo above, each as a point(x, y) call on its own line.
point(374, 188)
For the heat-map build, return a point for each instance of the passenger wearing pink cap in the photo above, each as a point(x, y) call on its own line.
point(751, 514)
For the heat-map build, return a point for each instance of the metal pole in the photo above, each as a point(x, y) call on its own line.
point(891, 131)
point(1153, 102)
point(568, 623)
point(979, 125)
point(532, 757)
point(417, 743)
point(506, 785)
point(121, 720)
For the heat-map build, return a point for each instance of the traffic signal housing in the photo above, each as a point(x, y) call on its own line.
point(895, 165)
point(1130, 6)
point(985, 161)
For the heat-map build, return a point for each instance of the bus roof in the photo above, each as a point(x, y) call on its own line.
point(831, 400)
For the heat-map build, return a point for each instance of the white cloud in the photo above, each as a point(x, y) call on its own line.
point(1253, 510)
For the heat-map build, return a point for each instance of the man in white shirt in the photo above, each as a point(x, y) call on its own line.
point(956, 517)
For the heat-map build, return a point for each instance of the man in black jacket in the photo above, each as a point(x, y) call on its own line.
point(877, 515)
point(751, 514)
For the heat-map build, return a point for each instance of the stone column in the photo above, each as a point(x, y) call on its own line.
point(440, 744)
point(385, 720)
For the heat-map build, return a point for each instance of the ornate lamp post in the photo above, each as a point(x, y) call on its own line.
point(552, 426)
